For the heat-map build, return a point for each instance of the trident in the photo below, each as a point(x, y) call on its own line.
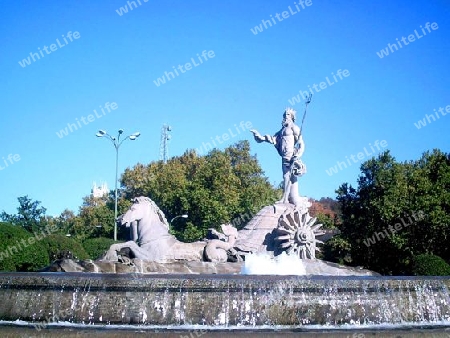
point(308, 101)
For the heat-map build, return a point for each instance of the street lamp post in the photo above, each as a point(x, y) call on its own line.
point(182, 216)
point(116, 142)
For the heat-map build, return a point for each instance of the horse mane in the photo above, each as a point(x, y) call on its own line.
point(153, 207)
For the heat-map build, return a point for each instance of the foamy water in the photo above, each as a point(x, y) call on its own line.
point(187, 327)
point(263, 264)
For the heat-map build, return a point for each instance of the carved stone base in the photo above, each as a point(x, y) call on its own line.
point(140, 266)
point(312, 267)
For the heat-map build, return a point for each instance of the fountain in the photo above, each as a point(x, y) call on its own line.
point(263, 277)
point(223, 301)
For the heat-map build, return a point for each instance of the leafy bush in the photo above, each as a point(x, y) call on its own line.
point(95, 247)
point(21, 250)
point(337, 250)
point(189, 234)
point(59, 246)
point(430, 265)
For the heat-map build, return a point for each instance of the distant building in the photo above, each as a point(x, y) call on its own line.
point(99, 191)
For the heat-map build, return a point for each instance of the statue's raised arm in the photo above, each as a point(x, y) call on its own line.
point(265, 138)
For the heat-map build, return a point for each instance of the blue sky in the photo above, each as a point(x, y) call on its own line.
point(116, 59)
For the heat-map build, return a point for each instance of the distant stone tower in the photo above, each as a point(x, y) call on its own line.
point(99, 191)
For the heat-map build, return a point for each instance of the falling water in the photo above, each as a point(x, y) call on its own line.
point(227, 301)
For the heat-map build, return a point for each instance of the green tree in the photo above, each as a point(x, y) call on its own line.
point(30, 215)
point(338, 250)
point(327, 212)
point(211, 189)
point(326, 221)
point(398, 210)
point(95, 219)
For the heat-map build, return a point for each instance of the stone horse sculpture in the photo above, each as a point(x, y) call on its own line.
point(150, 236)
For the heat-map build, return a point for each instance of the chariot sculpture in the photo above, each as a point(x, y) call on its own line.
point(285, 226)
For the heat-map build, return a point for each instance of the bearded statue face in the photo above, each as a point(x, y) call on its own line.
point(287, 118)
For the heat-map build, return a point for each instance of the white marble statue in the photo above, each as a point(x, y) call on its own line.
point(290, 146)
point(151, 239)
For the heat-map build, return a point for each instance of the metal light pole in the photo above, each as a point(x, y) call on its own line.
point(117, 142)
point(183, 216)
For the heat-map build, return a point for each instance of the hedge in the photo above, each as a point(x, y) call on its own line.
point(96, 247)
point(21, 250)
point(60, 246)
point(430, 265)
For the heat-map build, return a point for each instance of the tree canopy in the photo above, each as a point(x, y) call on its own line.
point(395, 221)
point(211, 189)
point(30, 215)
point(398, 210)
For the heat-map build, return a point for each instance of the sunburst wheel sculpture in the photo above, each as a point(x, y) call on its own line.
point(297, 234)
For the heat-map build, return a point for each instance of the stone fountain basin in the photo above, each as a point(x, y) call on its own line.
point(227, 301)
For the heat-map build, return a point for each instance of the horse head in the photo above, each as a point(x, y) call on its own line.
point(146, 212)
point(136, 212)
